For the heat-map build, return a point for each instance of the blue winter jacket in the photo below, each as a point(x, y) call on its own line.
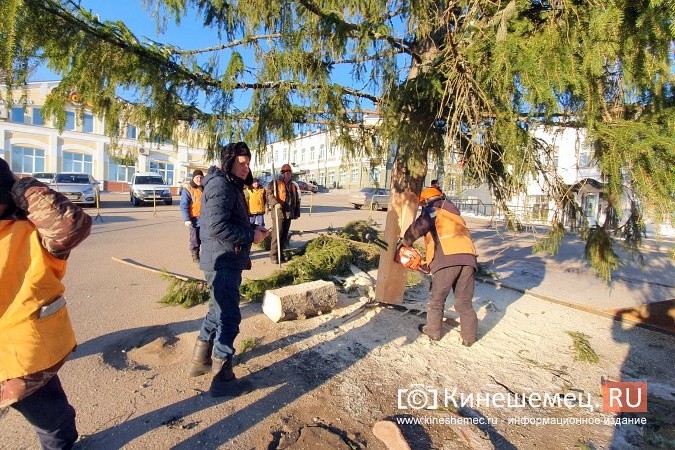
point(226, 232)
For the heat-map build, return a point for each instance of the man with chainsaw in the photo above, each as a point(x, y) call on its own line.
point(451, 258)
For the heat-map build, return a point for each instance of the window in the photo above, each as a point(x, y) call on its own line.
point(311, 154)
point(78, 162)
point(117, 172)
point(27, 160)
point(556, 156)
point(302, 155)
point(343, 177)
point(276, 155)
point(70, 121)
point(295, 155)
point(331, 177)
point(584, 158)
point(18, 114)
point(37, 117)
point(322, 178)
point(284, 155)
point(331, 151)
point(164, 169)
point(355, 175)
point(322, 153)
point(538, 205)
point(131, 132)
point(87, 123)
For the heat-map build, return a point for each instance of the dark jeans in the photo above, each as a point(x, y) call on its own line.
point(283, 225)
point(195, 242)
point(461, 279)
point(52, 417)
point(221, 324)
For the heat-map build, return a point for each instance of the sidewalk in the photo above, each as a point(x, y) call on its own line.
point(639, 293)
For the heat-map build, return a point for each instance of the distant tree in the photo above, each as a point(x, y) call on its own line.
point(463, 76)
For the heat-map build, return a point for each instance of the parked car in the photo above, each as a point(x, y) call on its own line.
point(307, 187)
point(370, 197)
point(77, 187)
point(45, 177)
point(149, 187)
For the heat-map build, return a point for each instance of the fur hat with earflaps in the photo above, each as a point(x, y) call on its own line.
point(6, 183)
point(229, 152)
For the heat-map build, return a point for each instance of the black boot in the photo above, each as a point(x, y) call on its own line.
point(195, 256)
point(223, 377)
point(201, 358)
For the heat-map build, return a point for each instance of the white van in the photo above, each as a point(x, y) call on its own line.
point(149, 187)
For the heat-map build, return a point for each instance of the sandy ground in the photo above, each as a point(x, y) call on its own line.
point(324, 382)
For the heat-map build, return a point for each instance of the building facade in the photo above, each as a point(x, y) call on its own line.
point(30, 143)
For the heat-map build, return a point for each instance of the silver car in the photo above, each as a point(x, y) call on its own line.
point(44, 177)
point(77, 187)
point(370, 197)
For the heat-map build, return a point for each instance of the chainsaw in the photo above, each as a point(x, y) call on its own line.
point(405, 255)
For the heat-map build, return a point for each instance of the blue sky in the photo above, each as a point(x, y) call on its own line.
point(190, 34)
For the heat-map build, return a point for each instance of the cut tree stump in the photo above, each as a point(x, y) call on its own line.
point(300, 301)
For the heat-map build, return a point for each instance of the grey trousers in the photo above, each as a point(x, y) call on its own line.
point(461, 279)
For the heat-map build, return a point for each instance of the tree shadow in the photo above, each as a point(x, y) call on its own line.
point(112, 345)
point(286, 381)
point(648, 348)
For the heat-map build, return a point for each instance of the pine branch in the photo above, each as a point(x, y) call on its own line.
point(216, 48)
point(333, 17)
point(124, 40)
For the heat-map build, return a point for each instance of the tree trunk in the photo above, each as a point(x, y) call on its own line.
point(300, 301)
point(406, 183)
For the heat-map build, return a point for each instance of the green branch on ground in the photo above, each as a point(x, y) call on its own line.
point(582, 347)
point(186, 293)
point(321, 259)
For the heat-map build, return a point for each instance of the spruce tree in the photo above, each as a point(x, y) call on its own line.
point(466, 76)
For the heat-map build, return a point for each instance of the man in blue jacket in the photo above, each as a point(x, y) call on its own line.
point(226, 235)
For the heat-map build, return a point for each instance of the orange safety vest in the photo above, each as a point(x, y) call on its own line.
point(31, 278)
point(453, 235)
point(196, 196)
point(281, 190)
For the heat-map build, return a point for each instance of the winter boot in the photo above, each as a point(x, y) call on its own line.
point(201, 359)
point(223, 376)
point(195, 256)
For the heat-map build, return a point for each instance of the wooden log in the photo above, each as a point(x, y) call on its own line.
point(300, 301)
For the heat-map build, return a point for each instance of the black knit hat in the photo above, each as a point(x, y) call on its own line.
point(197, 172)
point(230, 152)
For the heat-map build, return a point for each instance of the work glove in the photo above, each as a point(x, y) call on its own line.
point(188, 224)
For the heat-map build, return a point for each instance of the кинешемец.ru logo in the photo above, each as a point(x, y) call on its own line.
point(624, 396)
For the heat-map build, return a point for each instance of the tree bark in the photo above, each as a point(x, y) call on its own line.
point(406, 184)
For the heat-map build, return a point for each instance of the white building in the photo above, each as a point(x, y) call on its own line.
point(32, 144)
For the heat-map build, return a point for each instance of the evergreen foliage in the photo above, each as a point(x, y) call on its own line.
point(186, 293)
point(582, 347)
point(468, 77)
point(322, 258)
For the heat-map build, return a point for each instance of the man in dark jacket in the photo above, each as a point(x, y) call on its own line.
point(283, 196)
point(451, 256)
point(226, 235)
